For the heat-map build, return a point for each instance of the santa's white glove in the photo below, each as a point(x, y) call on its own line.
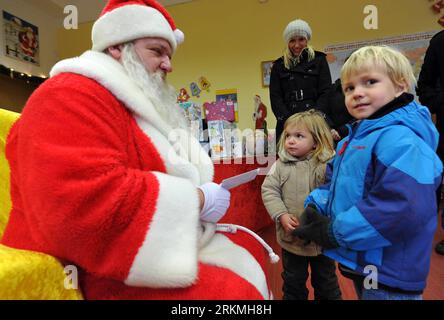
point(217, 201)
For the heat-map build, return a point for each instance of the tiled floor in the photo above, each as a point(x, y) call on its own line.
point(435, 283)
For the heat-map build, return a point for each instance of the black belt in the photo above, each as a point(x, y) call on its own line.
point(302, 94)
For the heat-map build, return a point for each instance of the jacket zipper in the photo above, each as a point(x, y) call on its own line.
point(335, 177)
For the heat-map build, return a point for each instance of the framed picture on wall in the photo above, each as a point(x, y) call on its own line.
point(21, 39)
point(266, 72)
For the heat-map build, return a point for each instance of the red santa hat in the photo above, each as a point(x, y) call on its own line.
point(126, 20)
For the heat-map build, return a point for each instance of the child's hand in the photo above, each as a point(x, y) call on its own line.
point(316, 228)
point(288, 222)
point(335, 135)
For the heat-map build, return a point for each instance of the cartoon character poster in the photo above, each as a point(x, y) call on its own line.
point(21, 39)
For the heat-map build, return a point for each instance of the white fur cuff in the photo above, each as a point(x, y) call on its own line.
point(168, 256)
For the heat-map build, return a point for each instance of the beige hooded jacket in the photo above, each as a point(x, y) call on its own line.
point(285, 189)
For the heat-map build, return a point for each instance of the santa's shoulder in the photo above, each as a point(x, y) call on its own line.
point(79, 93)
point(72, 82)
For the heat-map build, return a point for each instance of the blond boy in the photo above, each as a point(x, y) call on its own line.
point(377, 214)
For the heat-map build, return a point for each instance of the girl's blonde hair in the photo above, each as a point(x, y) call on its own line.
point(315, 123)
point(289, 57)
point(393, 62)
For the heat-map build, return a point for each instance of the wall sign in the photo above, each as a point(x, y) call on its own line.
point(21, 39)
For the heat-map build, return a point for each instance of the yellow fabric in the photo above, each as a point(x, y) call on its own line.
point(25, 274)
point(32, 276)
point(7, 118)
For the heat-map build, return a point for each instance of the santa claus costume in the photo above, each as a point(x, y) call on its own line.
point(28, 42)
point(97, 182)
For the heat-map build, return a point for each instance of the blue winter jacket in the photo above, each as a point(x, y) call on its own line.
point(381, 197)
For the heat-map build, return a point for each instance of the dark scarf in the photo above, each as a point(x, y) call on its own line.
point(303, 57)
point(399, 102)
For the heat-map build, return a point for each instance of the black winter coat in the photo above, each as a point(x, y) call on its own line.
point(336, 112)
point(301, 88)
point(430, 88)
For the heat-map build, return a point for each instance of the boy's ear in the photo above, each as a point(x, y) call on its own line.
point(401, 87)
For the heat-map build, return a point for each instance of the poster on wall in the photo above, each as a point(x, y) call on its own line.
point(230, 97)
point(21, 39)
point(266, 72)
point(413, 46)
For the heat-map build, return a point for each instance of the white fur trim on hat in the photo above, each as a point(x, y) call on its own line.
point(128, 23)
point(297, 27)
point(180, 37)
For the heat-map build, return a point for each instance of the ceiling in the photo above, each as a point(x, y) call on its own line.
point(88, 10)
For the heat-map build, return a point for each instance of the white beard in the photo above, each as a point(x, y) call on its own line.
point(155, 88)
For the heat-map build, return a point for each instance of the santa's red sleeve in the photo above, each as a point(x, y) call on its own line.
point(84, 199)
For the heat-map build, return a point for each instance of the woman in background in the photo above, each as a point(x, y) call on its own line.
point(300, 78)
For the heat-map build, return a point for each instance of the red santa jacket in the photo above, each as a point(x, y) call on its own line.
point(97, 181)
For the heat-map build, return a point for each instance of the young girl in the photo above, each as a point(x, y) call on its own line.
point(304, 148)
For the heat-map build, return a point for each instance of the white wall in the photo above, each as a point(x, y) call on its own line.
point(47, 24)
